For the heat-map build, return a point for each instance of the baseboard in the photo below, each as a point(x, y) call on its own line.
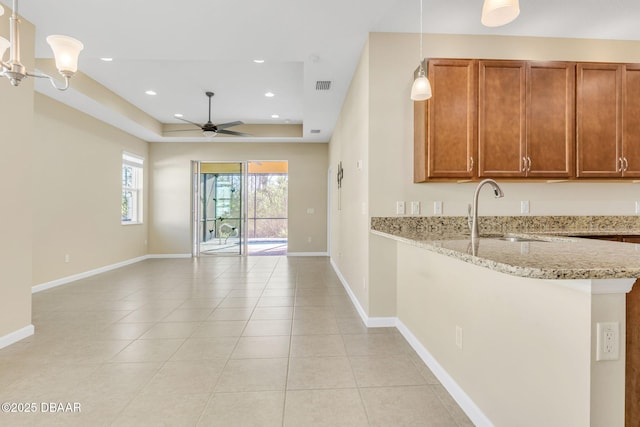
point(464, 401)
point(370, 322)
point(161, 256)
point(325, 254)
point(16, 336)
point(477, 417)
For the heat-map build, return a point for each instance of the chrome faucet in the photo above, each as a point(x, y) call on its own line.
point(473, 210)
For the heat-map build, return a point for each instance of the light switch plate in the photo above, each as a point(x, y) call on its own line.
point(437, 208)
point(400, 208)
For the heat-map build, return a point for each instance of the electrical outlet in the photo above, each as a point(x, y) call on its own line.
point(400, 208)
point(437, 208)
point(415, 208)
point(524, 206)
point(608, 341)
point(459, 337)
point(309, 239)
point(67, 258)
point(637, 208)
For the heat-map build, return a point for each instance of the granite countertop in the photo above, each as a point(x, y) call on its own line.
point(553, 254)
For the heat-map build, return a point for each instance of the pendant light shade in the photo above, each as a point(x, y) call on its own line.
point(421, 89)
point(499, 12)
point(66, 51)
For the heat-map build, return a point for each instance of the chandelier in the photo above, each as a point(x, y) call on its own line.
point(65, 50)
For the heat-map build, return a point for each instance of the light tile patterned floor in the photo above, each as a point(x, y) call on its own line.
point(258, 341)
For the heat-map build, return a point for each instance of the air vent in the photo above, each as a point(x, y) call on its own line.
point(323, 85)
point(315, 130)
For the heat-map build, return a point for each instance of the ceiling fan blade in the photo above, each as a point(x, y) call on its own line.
point(229, 124)
point(189, 121)
point(230, 132)
point(183, 130)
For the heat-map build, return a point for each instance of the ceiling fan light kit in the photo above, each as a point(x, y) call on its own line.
point(66, 51)
point(499, 12)
point(421, 89)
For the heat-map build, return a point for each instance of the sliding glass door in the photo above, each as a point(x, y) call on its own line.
point(240, 208)
point(219, 202)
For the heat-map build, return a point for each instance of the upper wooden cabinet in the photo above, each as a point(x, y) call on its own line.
point(501, 124)
point(631, 120)
point(608, 120)
point(526, 119)
point(550, 141)
point(599, 120)
point(446, 126)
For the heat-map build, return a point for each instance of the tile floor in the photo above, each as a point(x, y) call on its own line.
point(259, 341)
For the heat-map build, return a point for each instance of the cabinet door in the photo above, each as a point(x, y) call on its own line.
point(550, 119)
point(631, 121)
point(598, 110)
point(452, 118)
point(501, 127)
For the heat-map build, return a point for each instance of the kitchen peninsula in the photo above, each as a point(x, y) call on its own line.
point(510, 327)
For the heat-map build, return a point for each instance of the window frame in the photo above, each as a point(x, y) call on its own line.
point(137, 163)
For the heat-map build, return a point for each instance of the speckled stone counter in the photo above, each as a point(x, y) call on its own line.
point(554, 255)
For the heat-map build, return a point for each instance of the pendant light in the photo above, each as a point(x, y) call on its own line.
point(421, 89)
point(499, 12)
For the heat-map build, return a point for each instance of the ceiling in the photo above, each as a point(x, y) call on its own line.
point(182, 48)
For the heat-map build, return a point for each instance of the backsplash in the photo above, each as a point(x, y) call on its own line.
point(593, 225)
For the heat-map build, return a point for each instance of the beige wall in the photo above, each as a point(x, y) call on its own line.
point(350, 205)
point(16, 169)
point(77, 173)
point(170, 203)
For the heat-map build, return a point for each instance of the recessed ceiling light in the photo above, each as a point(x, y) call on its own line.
point(106, 59)
point(269, 94)
point(275, 116)
point(151, 92)
point(259, 61)
point(178, 115)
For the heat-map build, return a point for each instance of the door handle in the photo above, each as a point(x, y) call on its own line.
point(529, 164)
point(626, 164)
point(470, 164)
point(524, 164)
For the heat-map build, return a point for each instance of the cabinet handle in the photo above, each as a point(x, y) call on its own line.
point(620, 164)
point(470, 164)
point(529, 164)
point(524, 164)
point(626, 164)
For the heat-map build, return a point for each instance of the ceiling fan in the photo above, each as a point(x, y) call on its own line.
point(209, 129)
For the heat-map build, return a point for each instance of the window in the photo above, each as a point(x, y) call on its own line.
point(131, 188)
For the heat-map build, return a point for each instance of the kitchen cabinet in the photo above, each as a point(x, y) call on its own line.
point(501, 121)
point(526, 124)
point(599, 118)
point(608, 129)
point(528, 119)
point(550, 141)
point(446, 126)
